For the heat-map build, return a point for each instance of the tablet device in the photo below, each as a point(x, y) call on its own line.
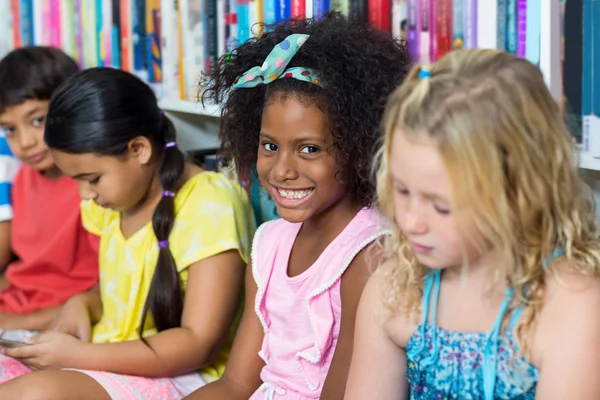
point(10, 344)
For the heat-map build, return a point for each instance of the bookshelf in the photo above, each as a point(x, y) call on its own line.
point(142, 26)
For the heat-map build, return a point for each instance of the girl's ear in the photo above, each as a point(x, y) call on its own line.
point(140, 149)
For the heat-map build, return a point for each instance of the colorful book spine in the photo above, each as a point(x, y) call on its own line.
point(380, 15)
point(433, 26)
point(210, 35)
point(100, 39)
point(533, 31)
point(283, 9)
point(16, 27)
point(412, 28)
point(26, 23)
point(170, 48)
point(55, 29)
point(180, 47)
point(425, 38)
point(6, 29)
point(587, 106)
point(88, 25)
point(321, 7)
point(596, 61)
point(260, 18)
point(521, 27)
point(67, 28)
point(138, 17)
point(359, 10)
point(269, 12)
point(153, 38)
point(115, 34)
point(471, 24)
point(36, 12)
point(78, 32)
point(343, 6)
point(511, 26)
point(45, 25)
point(252, 16)
point(501, 25)
point(231, 28)
point(243, 20)
point(299, 8)
point(126, 35)
point(443, 28)
point(458, 24)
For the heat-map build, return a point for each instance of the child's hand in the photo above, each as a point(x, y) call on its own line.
point(74, 319)
point(49, 350)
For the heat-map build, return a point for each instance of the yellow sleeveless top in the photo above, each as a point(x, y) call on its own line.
point(212, 215)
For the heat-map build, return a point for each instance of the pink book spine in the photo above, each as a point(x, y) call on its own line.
point(79, 32)
point(521, 27)
point(54, 21)
point(45, 6)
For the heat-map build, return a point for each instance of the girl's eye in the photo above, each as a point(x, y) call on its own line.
point(38, 121)
point(441, 210)
point(94, 181)
point(270, 147)
point(8, 132)
point(402, 191)
point(309, 150)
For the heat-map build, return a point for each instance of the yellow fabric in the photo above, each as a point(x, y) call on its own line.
point(212, 215)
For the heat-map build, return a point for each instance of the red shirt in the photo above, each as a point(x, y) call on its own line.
point(58, 258)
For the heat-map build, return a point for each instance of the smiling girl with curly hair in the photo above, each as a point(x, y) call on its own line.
point(304, 102)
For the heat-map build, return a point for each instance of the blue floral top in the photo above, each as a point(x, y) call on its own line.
point(444, 364)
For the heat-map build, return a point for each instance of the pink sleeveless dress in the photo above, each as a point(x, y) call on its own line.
point(301, 315)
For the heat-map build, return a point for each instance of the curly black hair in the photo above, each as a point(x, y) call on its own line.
point(359, 67)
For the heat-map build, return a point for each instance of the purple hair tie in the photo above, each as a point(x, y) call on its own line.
point(162, 112)
point(163, 243)
point(168, 193)
point(170, 144)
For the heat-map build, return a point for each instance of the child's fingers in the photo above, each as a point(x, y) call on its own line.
point(22, 352)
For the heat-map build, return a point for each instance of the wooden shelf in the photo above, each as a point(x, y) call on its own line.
point(586, 161)
point(189, 107)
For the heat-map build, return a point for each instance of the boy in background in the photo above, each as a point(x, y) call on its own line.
point(56, 257)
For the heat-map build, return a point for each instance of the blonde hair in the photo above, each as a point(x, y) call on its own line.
point(510, 160)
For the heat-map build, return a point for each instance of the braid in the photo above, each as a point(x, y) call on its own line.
point(165, 298)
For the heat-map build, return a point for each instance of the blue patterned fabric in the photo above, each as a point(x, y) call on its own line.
point(444, 364)
point(9, 166)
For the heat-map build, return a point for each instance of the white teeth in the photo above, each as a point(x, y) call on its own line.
point(294, 194)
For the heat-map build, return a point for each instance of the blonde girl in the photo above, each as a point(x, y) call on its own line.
point(492, 290)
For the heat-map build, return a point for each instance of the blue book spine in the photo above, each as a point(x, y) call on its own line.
point(320, 7)
point(595, 46)
point(588, 42)
point(270, 9)
point(501, 29)
point(99, 34)
point(26, 15)
point(283, 9)
point(532, 41)
point(511, 26)
point(243, 20)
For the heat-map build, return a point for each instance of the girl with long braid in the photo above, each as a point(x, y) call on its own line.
point(174, 241)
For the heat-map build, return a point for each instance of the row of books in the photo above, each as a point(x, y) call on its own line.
point(435, 27)
point(581, 74)
point(168, 43)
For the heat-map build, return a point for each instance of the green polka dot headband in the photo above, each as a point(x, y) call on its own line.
point(275, 66)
